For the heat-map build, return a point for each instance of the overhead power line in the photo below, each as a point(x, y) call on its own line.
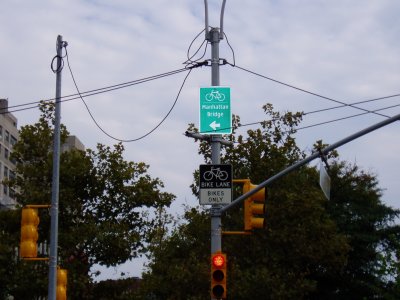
point(347, 117)
point(34, 104)
point(133, 139)
point(308, 92)
point(354, 103)
point(321, 123)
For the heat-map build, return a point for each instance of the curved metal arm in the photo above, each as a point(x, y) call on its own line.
point(206, 17)
point(221, 20)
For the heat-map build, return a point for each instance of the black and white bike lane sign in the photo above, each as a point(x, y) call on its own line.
point(215, 184)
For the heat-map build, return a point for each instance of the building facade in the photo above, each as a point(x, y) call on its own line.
point(8, 138)
point(72, 142)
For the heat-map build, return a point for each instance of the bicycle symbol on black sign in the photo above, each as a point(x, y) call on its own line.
point(215, 173)
point(215, 95)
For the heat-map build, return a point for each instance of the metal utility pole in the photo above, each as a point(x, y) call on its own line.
point(213, 36)
point(56, 177)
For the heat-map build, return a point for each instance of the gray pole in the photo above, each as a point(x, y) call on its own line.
point(310, 158)
point(214, 36)
point(55, 179)
point(214, 39)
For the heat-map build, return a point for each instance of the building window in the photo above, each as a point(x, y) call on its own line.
point(5, 172)
point(5, 189)
point(12, 175)
point(13, 160)
point(7, 136)
point(13, 140)
point(1, 132)
point(6, 153)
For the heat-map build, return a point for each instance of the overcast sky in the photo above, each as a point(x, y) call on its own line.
point(344, 50)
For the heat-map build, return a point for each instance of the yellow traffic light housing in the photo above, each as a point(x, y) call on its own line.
point(29, 233)
point(218, 275)
point(254, 206)
point(61, 292)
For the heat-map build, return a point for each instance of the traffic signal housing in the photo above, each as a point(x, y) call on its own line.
point(29, 233)
point(218, 275)
point(61, 291)
point(254, 207)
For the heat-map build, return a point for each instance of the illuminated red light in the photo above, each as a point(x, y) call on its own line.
point(218, 260)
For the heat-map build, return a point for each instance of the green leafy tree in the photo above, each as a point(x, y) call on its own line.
point(310, 246)
point(264, 264)
point(372, 269)
point(179, 261)
point(105, 201)
point(120, 289)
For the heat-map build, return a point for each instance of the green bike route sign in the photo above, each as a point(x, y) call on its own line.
point(215, 110)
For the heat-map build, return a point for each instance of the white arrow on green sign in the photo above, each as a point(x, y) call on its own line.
point(215, 110)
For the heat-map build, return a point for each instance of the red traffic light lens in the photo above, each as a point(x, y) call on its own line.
point(218, 260)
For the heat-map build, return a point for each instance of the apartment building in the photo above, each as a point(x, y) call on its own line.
point(72, 142)
point(8, 138)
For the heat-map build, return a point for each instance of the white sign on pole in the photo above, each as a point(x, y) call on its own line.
point(324, 181)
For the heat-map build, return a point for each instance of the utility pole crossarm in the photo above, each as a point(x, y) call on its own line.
point(204, 137)
point(309, 159)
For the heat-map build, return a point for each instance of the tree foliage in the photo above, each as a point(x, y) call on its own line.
point(344, 248)
point(105, 202)
point(372, 269)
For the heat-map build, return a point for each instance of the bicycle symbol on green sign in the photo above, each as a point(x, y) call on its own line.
point(215, 95)
point(215, 173)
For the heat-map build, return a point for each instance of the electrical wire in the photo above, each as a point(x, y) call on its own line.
point(325, 122)
point(321, 123)
point(189, 64)
point(305, 91)
point(134, 139)
point(60, 64)
point(34, 104)
point(189, 60)
point(233, 52)
point(354, 103)
point(60, 59)
point(345, 118)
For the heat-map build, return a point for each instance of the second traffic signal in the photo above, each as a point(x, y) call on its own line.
point(254, 207)
point(218, 275)
point(61, 292)
point(29, 233)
